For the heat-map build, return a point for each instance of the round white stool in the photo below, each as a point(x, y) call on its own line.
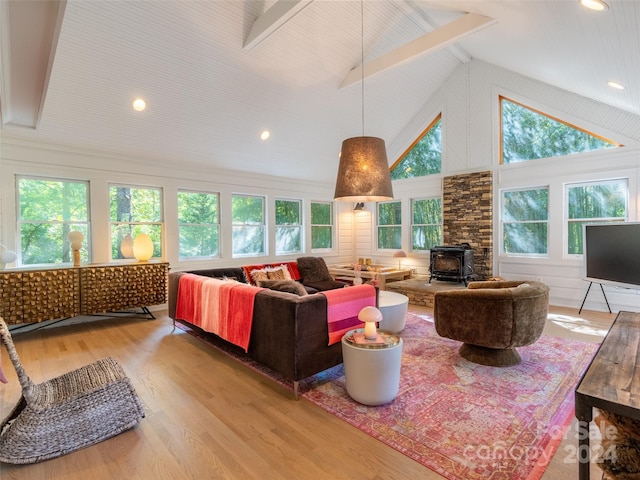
point(372, 372)
point(393, 307)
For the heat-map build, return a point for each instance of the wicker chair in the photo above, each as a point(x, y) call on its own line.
point(67, 413)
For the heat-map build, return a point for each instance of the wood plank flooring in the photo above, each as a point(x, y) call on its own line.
point(208, 417)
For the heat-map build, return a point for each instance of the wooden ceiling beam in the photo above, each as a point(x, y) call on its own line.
point(440, 38)
point(280, 13)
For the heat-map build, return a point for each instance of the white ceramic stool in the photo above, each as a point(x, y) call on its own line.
point(393, 307)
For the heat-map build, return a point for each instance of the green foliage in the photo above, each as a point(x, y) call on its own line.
point(426, 230)
point(389, 225)
point(527, 135)
point(425, 158)
point(198, 223)
point(288, 226)
point(594, 202)
point(525, 215)
point(248, 231)
point(48, 211)
point(321, 226)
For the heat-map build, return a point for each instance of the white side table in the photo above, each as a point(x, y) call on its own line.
point(393, 307)
point(372, 372)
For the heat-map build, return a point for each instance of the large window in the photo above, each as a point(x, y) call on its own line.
point(321, 226)
point(198, 225)
point(247, 213)
point(528, 135)
point(389, 225)
point(424, 156)
point(594, 202)
point(288, 226)
point(48, 210)
point(426, 223)
point(525, 221)
point(135, 210)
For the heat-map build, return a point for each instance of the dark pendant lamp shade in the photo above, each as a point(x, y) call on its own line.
point(363, 174)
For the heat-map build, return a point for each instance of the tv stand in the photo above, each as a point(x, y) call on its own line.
point(585, 297)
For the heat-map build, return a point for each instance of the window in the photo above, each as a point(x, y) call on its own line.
point(321, 226)
point(288, 226)
point(525, 218)
point(198, 225)
point(426, 223)
point(135, 210)
point(528, 134)
point(389, 225)
point(48, 210)
point(248, 230)
point(424, 156)
point(595, 202)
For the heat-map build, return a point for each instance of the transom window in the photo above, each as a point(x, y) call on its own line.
point(321, 226)
point(525, 221)
point(49, 209)
point(424, 156)
point(248, 229)
point(198, 225)
point(528, 134)
point(594, 202)
point(288, 226)
point(135, 210)
point(389, 225)
point(426, 223)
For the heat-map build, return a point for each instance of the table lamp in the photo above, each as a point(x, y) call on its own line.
point(75, 238)
point(399, 254)
point(370, 316)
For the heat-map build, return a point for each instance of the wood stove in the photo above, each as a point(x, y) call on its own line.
point(452, 263)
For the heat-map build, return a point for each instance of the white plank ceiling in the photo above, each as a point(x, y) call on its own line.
point(209, 97)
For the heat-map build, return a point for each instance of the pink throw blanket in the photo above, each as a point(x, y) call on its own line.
point(343, 306)
point(217, 306)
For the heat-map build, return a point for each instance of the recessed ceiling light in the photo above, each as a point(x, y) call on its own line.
point(617, 85)
point(265, 134)
point(597, 5)
point(139, 104)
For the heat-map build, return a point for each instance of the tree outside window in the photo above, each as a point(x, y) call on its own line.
point(48, 210)
point(135, 210)
point(424, 156)
point(198, 225)
point(529, 135)
point(426, 223)
point(389, 225)
point(248, 229)
point(321, 225)
point(525, 219)
point(594, 202)
point(288, 226)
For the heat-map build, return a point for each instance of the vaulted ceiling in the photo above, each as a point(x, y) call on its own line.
point(216, 73)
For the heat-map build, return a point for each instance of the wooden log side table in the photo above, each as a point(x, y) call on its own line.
point(372, 372)
point(611, 382)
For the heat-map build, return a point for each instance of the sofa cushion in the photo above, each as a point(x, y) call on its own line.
point(290, 268)
point(289, 286)
point(324, 286)
point(313, 269)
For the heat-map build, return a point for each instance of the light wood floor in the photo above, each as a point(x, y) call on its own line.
point(208, 417)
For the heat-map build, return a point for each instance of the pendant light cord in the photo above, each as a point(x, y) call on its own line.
point(362, 59)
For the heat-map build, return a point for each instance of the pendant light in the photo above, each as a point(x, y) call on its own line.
point(363, 173)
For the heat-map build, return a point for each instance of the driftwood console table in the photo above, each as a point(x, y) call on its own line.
point(611, 382)
point(33, 295)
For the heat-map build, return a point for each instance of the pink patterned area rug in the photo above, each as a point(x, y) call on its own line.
point(462, 420)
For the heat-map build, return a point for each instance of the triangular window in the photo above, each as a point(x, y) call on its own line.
point(424, 156)
point(528, 134)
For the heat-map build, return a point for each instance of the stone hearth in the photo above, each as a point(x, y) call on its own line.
point(420, 291)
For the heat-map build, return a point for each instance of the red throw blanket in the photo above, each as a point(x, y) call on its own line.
point(217, 306)
point(343, 306)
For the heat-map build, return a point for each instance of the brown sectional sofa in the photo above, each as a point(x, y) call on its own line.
point(289, 333)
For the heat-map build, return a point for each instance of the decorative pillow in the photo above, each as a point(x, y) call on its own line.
point(289, 286)
point(259, 275)
point(284, 269)
point(313, 269)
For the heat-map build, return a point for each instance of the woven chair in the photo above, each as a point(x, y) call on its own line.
point(67, 413)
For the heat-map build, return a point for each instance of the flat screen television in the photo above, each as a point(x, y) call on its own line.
point(612, 254)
